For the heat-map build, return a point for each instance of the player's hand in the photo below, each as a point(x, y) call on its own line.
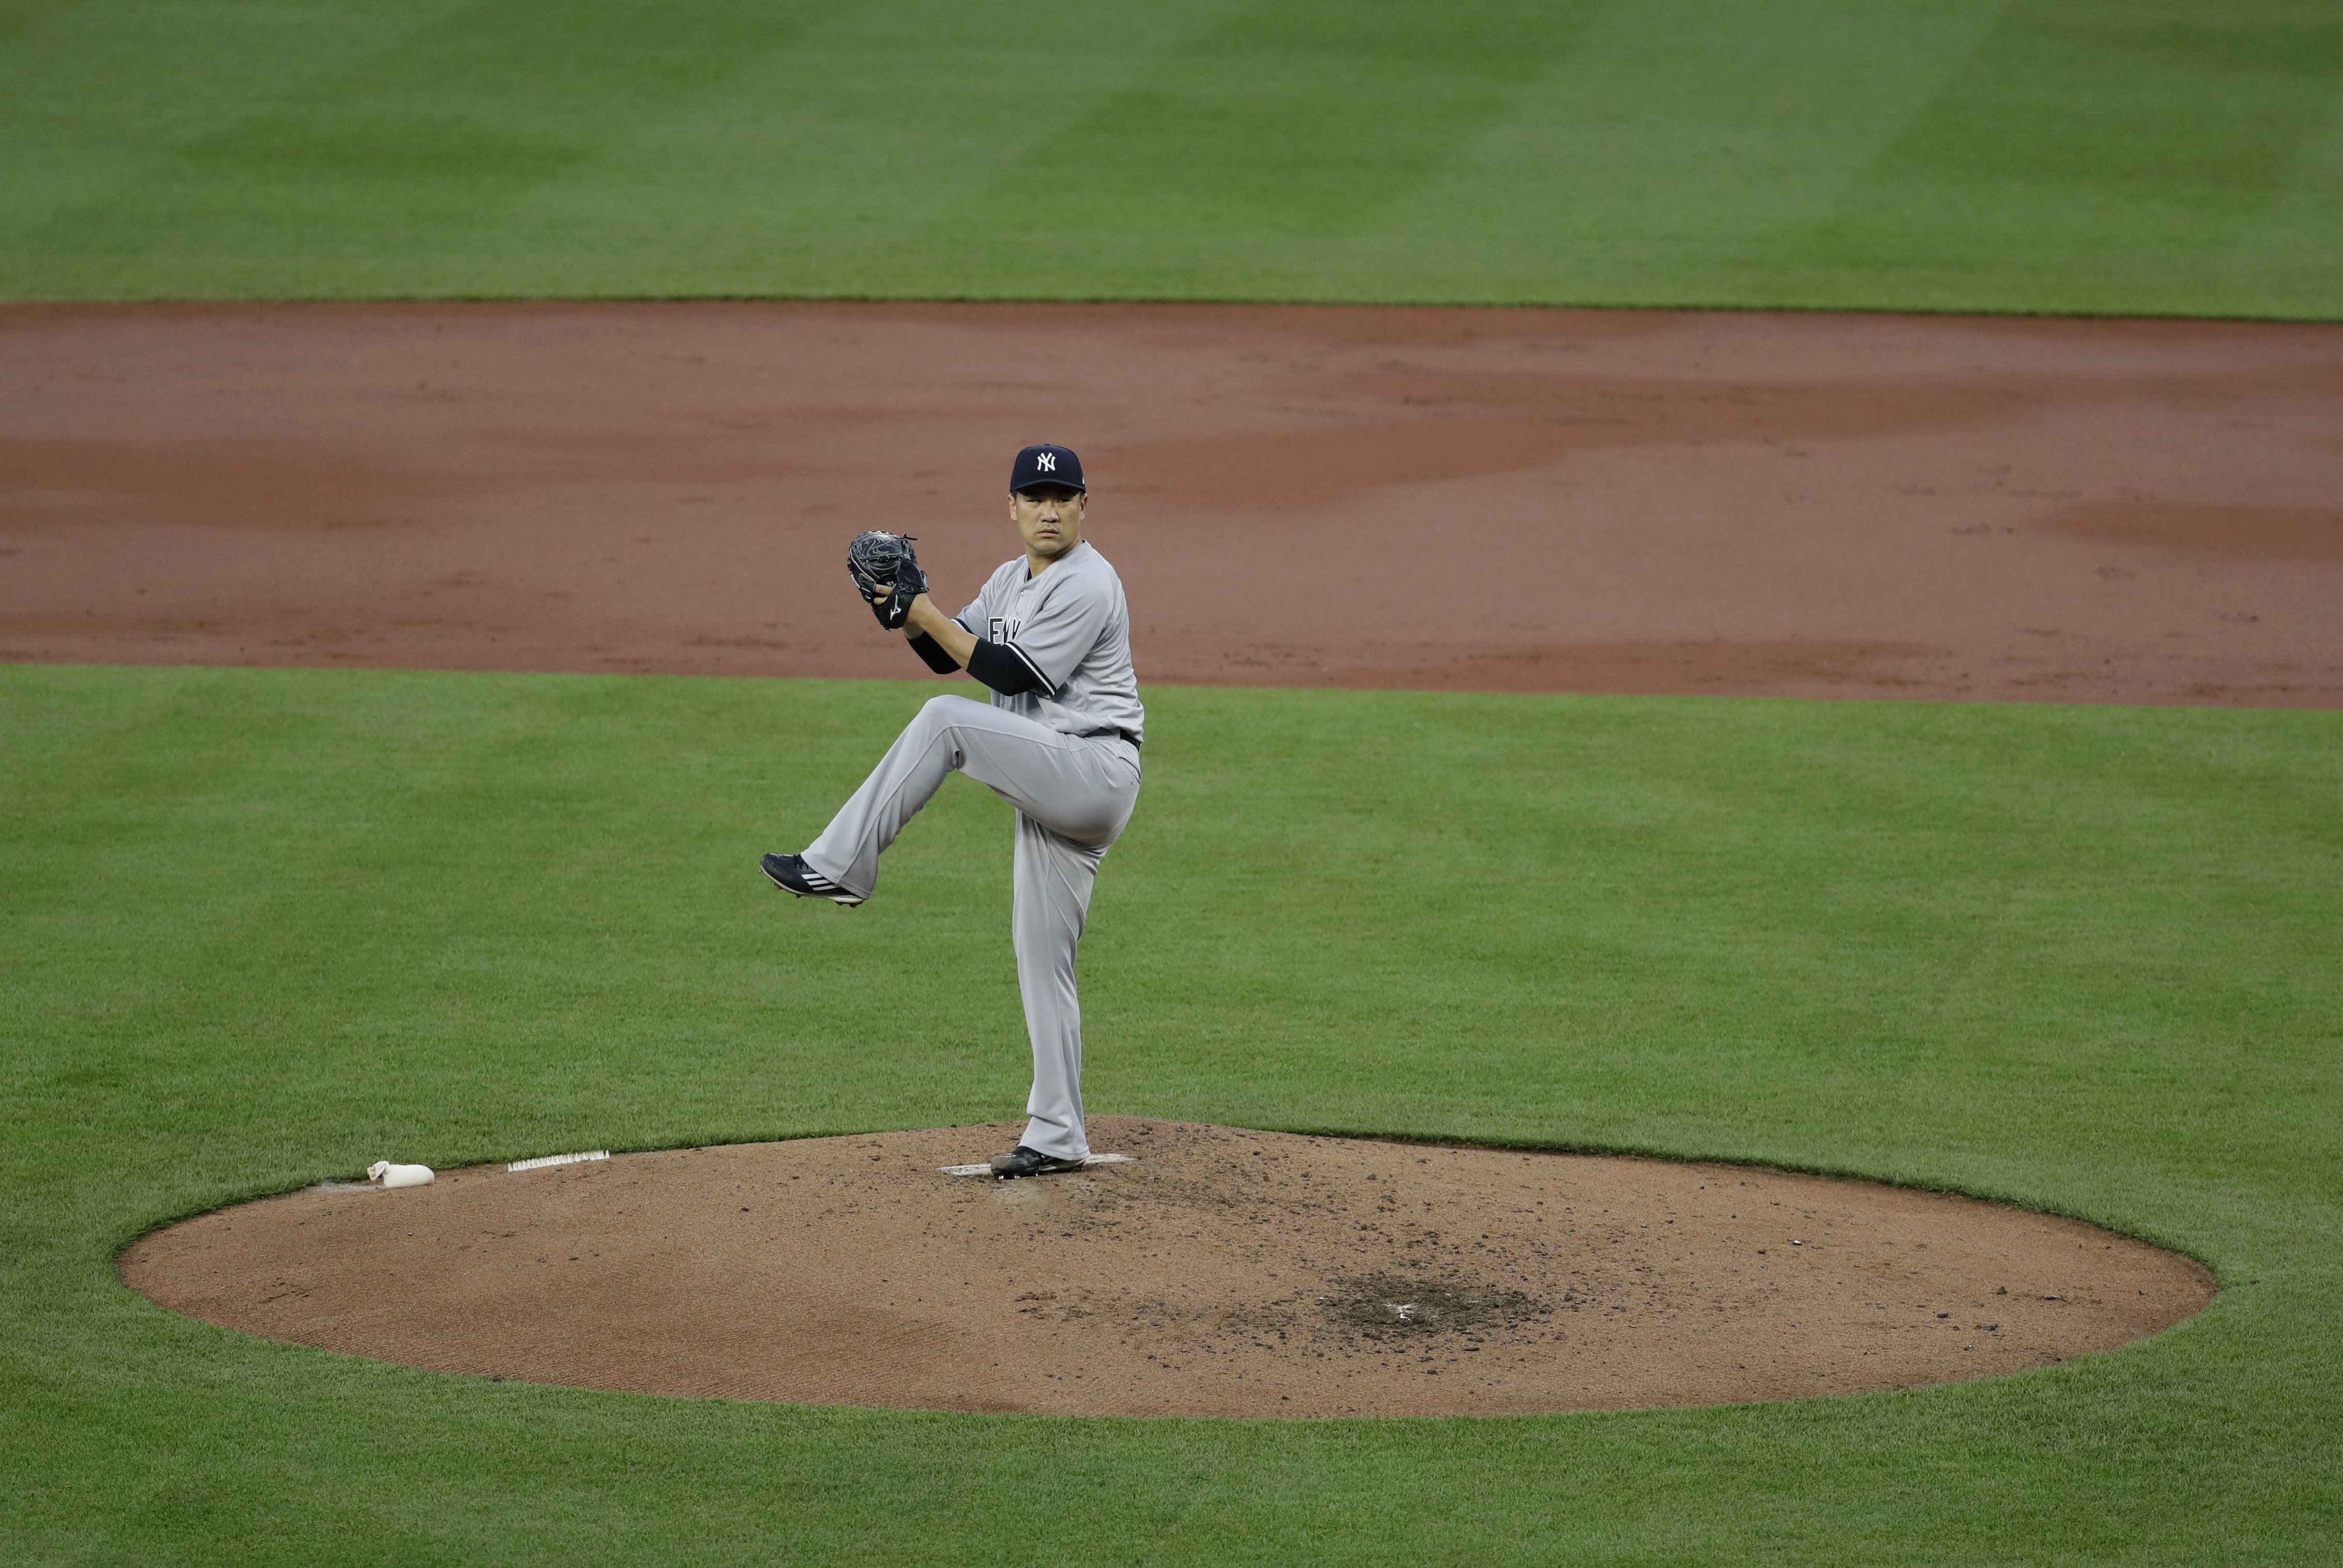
point(886, 573)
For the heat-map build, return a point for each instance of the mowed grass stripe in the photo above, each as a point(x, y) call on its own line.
point(1285, 123)
point(265, 926)
point(1977, 155)
point(2200, 123)
point(1682, 134)
point(439, 132)
point(99, 99)
point(852, 156)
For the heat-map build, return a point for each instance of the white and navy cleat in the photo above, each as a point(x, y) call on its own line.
point(793, 875)
point(1023, 1162)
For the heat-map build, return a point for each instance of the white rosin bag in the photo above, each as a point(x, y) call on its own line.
point(390, 1175)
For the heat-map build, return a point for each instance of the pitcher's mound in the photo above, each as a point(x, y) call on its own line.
point(1221, 1272)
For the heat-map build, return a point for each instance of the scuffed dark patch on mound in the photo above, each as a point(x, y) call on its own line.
point(1395, 1306)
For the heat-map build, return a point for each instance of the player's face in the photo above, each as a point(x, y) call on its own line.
point(1050, 518)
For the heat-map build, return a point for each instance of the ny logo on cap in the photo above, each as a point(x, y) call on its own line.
point(1046, 461)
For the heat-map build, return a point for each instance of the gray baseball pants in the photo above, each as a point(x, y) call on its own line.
point(1074, 794)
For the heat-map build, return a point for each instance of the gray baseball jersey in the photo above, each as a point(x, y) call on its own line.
point(1070, 626)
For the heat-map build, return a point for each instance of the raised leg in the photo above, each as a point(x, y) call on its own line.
point(1082, 788)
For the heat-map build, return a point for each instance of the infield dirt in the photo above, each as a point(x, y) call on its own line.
point(1505, 500)
point(1225, 1272)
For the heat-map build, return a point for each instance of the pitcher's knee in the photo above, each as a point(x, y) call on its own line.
point(939, 712)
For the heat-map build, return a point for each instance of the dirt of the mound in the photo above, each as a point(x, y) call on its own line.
point(1222, 1272)
point(1511, 500)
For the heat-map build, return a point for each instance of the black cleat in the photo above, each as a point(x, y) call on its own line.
point(793, 875)
point(1023, 1162)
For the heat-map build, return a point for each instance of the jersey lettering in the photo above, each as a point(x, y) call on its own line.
point(1000, 628)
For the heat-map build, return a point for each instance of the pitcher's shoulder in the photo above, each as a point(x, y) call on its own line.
point(1094, 565)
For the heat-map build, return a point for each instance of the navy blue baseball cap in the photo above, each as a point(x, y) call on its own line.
point(1047, 466)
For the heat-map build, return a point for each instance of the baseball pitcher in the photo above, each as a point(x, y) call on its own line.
point(1050, 635)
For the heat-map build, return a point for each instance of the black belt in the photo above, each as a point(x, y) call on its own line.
point(1125, 734)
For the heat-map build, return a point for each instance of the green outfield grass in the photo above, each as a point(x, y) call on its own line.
point(262, 927)
point(2138, 156)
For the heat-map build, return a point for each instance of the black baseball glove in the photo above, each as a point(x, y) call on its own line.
point(887, 573)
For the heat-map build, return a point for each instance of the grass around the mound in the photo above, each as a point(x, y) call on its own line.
point(264, 927)
point(2135, 157)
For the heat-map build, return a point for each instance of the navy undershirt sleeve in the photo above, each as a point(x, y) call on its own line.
point(1000, 670)
point(930, 649)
